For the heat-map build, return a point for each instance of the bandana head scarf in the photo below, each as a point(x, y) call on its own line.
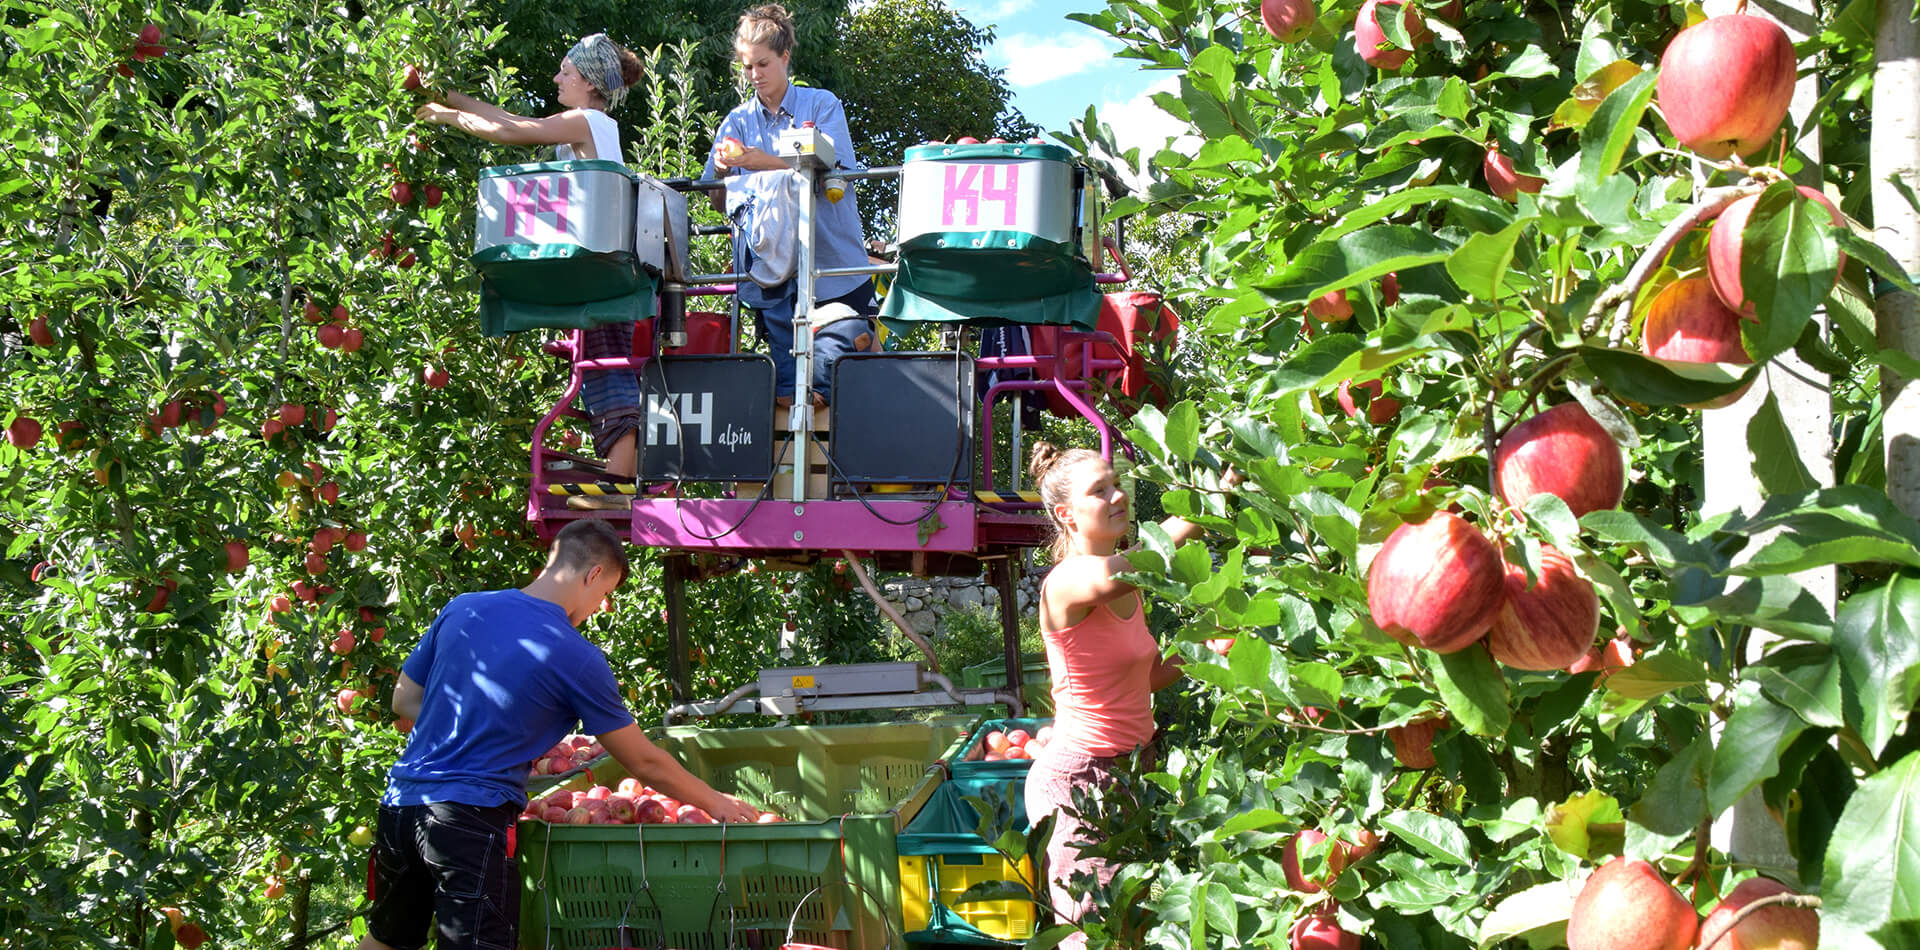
point(598, 60)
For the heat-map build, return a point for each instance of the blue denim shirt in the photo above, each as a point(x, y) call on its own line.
point(841, 242)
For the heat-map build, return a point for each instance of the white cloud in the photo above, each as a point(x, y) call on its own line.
point(1031, 59)
point(1140, 123)
point(993, 11)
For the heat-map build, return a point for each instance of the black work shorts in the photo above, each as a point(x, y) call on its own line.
point(450, 864)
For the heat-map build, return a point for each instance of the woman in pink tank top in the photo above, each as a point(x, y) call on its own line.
point(1104, 663)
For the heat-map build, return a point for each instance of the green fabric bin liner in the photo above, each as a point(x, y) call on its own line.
point(991, 278)
point(949, 824)
point(500, 316)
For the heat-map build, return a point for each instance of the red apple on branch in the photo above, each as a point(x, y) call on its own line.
point(1627, 904)
point(1288, 20)
point(1413, 742)
point(401, 192)
point(24, 432)
point(1769, 928)
point(1562, 452)
point(1726, 241)
point(1725, 84)
point(1321, 931)
point(410, 78)
point(237, 556)
point(1436, 583)
point(40, 333)
point(1371, 42)
point(1549, 625)
point(1331, 307)
point(434, 378)
point(1688, 323)
point(1505, 183)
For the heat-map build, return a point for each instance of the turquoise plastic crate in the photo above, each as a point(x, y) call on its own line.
point(967, 759)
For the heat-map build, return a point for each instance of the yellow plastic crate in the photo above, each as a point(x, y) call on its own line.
point(944, 877)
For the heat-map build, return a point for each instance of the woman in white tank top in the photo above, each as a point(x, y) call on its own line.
point(594, 76)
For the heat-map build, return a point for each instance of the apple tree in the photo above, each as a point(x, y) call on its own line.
point(1452, 294)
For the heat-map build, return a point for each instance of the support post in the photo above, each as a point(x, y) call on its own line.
point(1006, 578)
point(674, 583)
point(1895, 157)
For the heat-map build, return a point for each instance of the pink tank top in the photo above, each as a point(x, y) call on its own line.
point(1102, 671)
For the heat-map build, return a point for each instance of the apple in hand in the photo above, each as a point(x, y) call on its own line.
point(730, 150)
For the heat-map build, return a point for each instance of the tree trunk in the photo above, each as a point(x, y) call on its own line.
point(1896, 226)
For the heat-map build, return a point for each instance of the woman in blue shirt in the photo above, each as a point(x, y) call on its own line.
point(764, 44)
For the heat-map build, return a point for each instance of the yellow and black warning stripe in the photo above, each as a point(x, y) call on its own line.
point(1000, 498)
point(592, 488)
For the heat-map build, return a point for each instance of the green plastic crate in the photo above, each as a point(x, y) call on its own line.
point(1035, 679)
point(848, 791)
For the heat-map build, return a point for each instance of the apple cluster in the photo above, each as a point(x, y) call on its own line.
point(1442, 584)
point(999, 745)
point(1627, 905)
point(335, 329)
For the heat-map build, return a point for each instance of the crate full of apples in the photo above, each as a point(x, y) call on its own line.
point(1004, 747)
point(630, 803)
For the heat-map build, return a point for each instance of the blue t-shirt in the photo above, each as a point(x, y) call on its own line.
point(506, 677)
point(842, 242)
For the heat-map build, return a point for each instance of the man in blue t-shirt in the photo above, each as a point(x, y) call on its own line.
point(499, 678)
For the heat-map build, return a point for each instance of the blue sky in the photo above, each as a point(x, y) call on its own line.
point(1057, 67)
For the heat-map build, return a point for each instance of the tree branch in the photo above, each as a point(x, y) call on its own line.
point(1711, 939)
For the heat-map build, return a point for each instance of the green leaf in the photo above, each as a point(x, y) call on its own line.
point(1212, 72)
point(1352, 259)
point(1788, 258)
point(1876, 257)
point(1656, 675)
point(1480, 265)
point(1749, 750)
point(1872, 873)
point(1805, 678)
point(1677, 799)
point(1205, 110)
point(1537, 915)
point(1183, 430)
point(1474, 690)
point(1876, 641)
point(1437, 837)
point(1604, 139)
point(1191, 563)
point(1251, 820)
point(1776, 460)
point(1841, 525)
point(1312, 365)
point(1654, 382)
point(1316, 684)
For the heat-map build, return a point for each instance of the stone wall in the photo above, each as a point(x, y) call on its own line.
point(923, 600)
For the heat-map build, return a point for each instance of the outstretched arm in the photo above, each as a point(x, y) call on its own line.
point(505, 128)
point(630, 747)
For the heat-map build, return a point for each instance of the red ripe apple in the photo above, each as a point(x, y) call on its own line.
point(356, 541)
point(1382, 410)
point(410, 78)
point(1290, 860)
point(692, 815)
point(579, 815)
point(190, 936)
point(621, 808)
point(339, 313)
point(312, 312)
point(24, 432)
point(1627, 904)
point(1390, 289)
point(305, 591)
point(1769, 928)
point(280, 604)
point(628, 786)
point(172, 413)
point(342, 643)
point(316, 564)
point(331, 336)
point(406, 260)
point(40, 333)
point(732, 149)
point(1371, 42)
point(293, 414)
point(1220, 645)
point(237, 555)
point(1345, 394)
point(768, 818)
point(1505, 183)
point(1330, 307)
point(401, 193)
point(1321, 932)
point(1288, 20)
point(430, 195)
point(1365, 843)
point(599, 793)
point(377, 634)
point(1725, 84)
point(1563, 452)
point(161, 595)
point(329, 419)
point(649, 811)
point(997, 742)
point(403, 725)
point(345, 699)
point(328, 492)
point(1436, 584)
point(1019, 737)
point(966, 140)
point(368, 616)
point(1413, 742)
point(555, 814)
point(351, 340)
point(276, 887)
point(434, 378)
point(1724, 244)
point(1547, 626)
point(1688, 323)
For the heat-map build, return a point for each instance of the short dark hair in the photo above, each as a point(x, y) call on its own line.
point(588, 542)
